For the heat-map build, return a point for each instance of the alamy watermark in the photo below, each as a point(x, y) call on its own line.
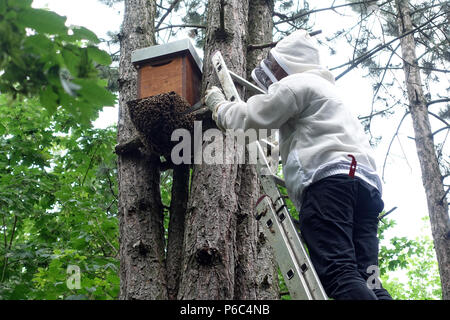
point(216, 147)
point(373, 282)
point(74, 277)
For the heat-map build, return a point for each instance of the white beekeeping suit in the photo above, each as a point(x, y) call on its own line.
point(317, 132)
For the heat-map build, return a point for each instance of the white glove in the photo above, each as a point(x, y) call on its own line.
point(214, 98)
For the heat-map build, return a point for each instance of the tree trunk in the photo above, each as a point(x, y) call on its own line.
point(178, 207)
point(210, 236)
point(256, 271)
point(431, 175)
point(142, 272)
point(246, 278)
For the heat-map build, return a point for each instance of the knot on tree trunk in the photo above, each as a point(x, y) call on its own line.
point(141, 248)
point(266, 283)
point(223, 35)
point(207, 256)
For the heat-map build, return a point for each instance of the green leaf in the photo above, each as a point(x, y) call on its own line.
point(71, 59)
point(19, 4)
point(2, 129)
point(2, 7)
point(95, 94)
point(11, 15)
point(99, 56)
point(49, 99)
point(39, 42)
point(81, 33)
point(43, 21)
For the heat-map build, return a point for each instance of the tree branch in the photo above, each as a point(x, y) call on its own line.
point(9, 248)
point(169, 10)
point(90, 165)
point(392, 140)
point(198, 26)
point(379, 47)
point(116, 252)
point(131, 146)
point(261, 46)
point(299, 15)
point(400, 68)
point(445, 195)
point(439, 118)
point(111, 186)
point(389, 212)
point(273, 44)
point(4, 231)
point(13, 231)
point(438, 101)
point(441, 129)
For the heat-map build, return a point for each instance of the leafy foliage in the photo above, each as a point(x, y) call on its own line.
point(41, 56)
point(413, 259)
point(58, 187)
point(57, 204)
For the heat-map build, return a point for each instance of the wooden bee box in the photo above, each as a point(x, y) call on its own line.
point(174, 66)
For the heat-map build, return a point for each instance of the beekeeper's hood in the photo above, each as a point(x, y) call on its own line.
point(295, 53)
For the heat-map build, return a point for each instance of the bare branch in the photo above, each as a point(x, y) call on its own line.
point(169, 10)
point(384, 75)
point(439, 118)
point(389, 212)
point(400, 68)
point(302, 14)
point(438, 101)
point(441, 129)
point(261, 46)
point(353, 64)
point(392, 140)
point(198, 26)
point(273, 44)
point(131, 146)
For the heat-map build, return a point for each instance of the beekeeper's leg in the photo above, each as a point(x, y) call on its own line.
point(326, 224)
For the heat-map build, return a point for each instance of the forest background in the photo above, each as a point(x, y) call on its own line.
point(58, 172)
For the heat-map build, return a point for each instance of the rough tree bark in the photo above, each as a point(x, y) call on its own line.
point(210, 237)
point(142, 272)
point(256, 271)
point(431, 175)
point(178, 207)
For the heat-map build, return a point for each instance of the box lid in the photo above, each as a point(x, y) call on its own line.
point(149, 53)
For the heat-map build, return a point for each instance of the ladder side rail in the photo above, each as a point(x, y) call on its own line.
point(295, 242)
point(284, 254)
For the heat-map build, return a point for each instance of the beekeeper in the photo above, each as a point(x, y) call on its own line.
point(328, 163)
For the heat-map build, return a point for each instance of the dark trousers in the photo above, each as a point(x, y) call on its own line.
point(339, 223)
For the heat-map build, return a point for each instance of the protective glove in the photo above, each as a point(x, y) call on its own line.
point(214, 98)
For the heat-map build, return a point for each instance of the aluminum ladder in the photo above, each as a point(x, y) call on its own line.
point(271, 211)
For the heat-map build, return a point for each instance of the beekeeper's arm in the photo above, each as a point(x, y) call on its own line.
point(263, 111)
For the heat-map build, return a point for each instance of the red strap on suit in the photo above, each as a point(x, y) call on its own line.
point(351, 173)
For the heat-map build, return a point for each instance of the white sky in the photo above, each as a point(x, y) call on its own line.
point(403, 187)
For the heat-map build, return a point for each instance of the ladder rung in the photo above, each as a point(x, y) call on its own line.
point(279, 181)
